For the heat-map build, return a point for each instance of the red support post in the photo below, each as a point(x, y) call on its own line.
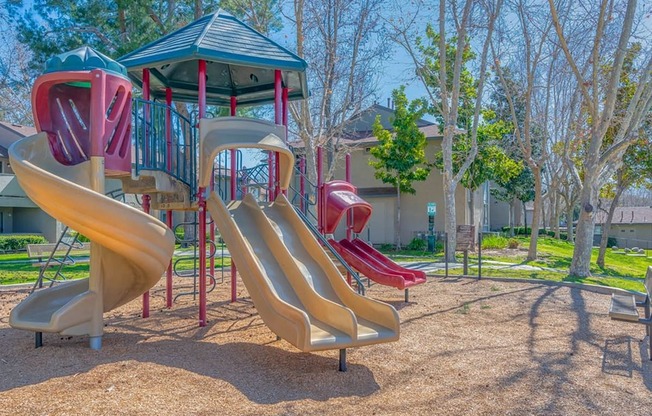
point(349, 215)
point(146, 207)
point(278, 118)
point(302, 183)
point(320, 185)
point(202, 204)
point(168, 165)
point(234, 196)
point(146, 157)
point(284, 100)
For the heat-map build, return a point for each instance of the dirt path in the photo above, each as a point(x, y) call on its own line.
point(466, 347)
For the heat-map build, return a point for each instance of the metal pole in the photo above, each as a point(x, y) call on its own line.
point(302, 183)
point(349, 215)
point(320, 185)
point(234, 196)
point(446, 252)
point(146, 198)
point(342, 366)
point(168, 164)
point(480, 255)
point(202, 205)
point(278, 118)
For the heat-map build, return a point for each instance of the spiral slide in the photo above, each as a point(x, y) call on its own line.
point(129, 249)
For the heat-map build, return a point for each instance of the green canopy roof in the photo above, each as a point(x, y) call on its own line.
point(239, 62)
point(84, 59)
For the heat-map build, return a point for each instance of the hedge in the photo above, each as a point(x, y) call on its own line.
point(19, 242)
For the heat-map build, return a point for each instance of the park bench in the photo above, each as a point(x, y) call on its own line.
point(42, 252)
point(625, 308)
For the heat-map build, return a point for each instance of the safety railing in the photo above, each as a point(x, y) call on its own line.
point(175, 154)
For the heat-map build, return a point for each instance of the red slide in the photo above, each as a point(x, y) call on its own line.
point(368, 248)
point(374, 269)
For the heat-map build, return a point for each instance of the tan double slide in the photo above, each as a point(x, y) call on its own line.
point(298, 291)
point(129, 249)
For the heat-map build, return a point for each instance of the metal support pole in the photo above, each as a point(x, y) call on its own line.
point(168, 164)
point(480, 255)
point(278, 119)
point(320, 185)
point(446, 252)
point(302, 183)
point(342, 367)
point(202, 203)
point(407, 296)
point(38, 339)
point(466, 262)
point(234, 196)
point(349, 215)
point(146, 207)
point(146, 150)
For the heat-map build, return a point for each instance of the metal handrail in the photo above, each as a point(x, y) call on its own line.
point(150, 142)
point(324, 241)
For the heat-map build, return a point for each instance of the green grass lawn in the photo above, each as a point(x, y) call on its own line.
point(625, 272)
point(16, 268)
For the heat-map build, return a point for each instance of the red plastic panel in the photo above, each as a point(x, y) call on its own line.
point(377, 255)
point(82, 122)
point(339, 198)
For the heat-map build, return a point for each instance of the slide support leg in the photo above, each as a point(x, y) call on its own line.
point(342, 360)
point(407, 295)
point(96, 343)
point(38, 339)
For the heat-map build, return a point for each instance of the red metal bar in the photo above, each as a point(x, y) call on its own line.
point(349, 215)
point(284, 100)
point(168, 164)
point(202, 204)
point(146, 207)
point(234, 196)
point(302, 183)
point(146, 109)
point(320, 185)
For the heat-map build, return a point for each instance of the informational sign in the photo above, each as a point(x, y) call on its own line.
point(465, 237)
point(431, 209)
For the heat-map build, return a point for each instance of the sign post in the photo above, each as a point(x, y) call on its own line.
point(465, 237)
point(431, 210)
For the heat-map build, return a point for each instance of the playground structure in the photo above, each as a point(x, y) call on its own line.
point(85, 114)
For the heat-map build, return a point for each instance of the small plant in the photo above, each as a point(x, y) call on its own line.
point(494, 242)
point(386, 247)
point(627, 250)
point(483, 307)
point(512, 243)
point(495, 289)
point(614, 248)
point(417, 244)
point(465, 309)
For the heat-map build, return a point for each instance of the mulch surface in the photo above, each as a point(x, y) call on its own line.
point(466, 347)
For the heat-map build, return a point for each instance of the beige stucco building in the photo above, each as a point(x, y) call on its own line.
point(630, 226)
point(414, 218)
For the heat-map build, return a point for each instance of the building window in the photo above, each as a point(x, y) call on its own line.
point(367, 149)
point(598, 230)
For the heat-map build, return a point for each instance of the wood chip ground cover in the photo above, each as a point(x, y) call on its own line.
point(466, 347)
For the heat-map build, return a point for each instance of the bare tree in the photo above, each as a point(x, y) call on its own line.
point(607, 20)
point(442, 80)
point(342, 42)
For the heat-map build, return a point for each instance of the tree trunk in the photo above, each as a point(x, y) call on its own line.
point(450, 218)
point(569, 222)
point(524, 218)
point(607, 225)
point(472, 207)
point(511, 218)
point(581, 263)
point(536, 215)
point(557, 216)
point(398, 218)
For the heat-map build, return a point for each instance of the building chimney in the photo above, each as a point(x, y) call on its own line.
point(389, 100)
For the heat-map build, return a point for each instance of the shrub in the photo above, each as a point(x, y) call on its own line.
point(627, 250)
point(495, 242)
point(19, 242)
point(386, 247)
point(614, 248)
point(512, 243)
point(417, 244)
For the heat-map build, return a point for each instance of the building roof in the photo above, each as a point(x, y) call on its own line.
point(240, 62)
point(627, 215)
point(10, 133)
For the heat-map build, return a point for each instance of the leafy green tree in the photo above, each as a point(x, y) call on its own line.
point(400, 156)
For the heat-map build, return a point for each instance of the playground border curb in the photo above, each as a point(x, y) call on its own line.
point(603, 290)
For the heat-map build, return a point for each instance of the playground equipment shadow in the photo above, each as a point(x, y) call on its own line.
point(466, 347)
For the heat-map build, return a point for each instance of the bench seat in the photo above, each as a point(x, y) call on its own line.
point(623, 308)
